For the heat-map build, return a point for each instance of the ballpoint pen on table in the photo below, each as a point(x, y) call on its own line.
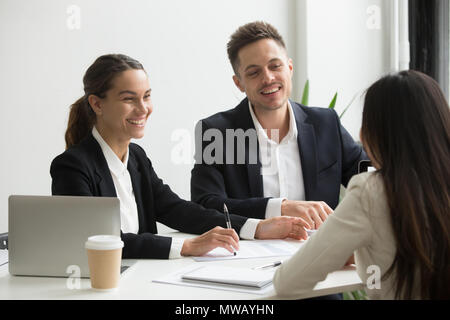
point(271, 265)
point(228, 220)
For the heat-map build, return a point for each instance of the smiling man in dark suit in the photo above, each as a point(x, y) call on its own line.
point(270, 156)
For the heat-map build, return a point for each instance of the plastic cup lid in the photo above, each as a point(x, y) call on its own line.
point(104, 242)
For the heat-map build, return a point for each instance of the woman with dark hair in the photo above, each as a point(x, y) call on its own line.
point(100, 161)
point(395, 220)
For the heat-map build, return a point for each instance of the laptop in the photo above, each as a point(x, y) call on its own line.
point(47, 234)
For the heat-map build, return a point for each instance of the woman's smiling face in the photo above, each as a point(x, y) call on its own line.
point(124, 111)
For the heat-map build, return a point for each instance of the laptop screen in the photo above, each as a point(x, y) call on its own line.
point(47, 234)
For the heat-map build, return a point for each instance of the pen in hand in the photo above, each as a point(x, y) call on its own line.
point(228, 221)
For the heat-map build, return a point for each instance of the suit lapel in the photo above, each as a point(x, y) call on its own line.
point(306, 140)
point(244, 121)
point(254, 175)
point(104, 182)
point(135, 174)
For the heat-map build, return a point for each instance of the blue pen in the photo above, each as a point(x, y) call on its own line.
point(228, 220)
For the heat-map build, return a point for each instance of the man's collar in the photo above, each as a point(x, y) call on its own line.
point(292, 133)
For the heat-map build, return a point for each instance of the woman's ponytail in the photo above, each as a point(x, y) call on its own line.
point(81, 121)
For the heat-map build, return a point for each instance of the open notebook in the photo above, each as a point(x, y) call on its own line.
point(230, 275)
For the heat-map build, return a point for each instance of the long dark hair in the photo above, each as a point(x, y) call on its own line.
point(97, 80)
point(406, 125)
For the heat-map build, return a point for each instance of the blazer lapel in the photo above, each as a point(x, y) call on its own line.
point(254, 175)
point(104, 182)
point(306, 140)
point(135, 174)
point(245, 122)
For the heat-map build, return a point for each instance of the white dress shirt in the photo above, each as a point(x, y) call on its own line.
point(128, 208)
point(280, 165)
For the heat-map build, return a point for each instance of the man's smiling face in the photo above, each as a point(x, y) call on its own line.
point(265, 74)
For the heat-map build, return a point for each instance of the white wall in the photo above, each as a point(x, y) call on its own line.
point(347, 50)
point(182, 45)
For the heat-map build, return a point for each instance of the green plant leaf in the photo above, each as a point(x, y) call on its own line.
point(348, 106)
point(356, 295)
point(305, 95)
point(333, 102)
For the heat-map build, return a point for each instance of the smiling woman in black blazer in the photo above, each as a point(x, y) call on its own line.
point(100, 161)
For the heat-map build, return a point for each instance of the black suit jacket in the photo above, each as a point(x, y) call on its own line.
point(329, 157)
point(82, 170)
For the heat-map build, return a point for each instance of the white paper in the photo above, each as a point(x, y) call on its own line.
point(253, 249)
point(3, 257)
point(175, 279)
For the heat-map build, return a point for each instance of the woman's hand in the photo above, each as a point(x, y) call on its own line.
point(282, 227)
point(350, 261)
point(217, 237)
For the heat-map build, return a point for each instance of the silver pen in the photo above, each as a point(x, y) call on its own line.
point(270, 265)
point(228, 221)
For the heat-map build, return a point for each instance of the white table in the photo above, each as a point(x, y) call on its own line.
point(136, 283)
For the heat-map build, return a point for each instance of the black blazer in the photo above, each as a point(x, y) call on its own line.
point(329, 157)
point(82, 170)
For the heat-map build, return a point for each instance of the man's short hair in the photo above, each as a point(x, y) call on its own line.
point(247, 34)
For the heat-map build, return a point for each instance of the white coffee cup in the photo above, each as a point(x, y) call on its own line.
point(104, 258)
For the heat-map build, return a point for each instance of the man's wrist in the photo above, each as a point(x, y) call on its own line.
point(273, 207)
point(248, 230)
point(185, 247)
point(258, 231)
point(283, 206)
